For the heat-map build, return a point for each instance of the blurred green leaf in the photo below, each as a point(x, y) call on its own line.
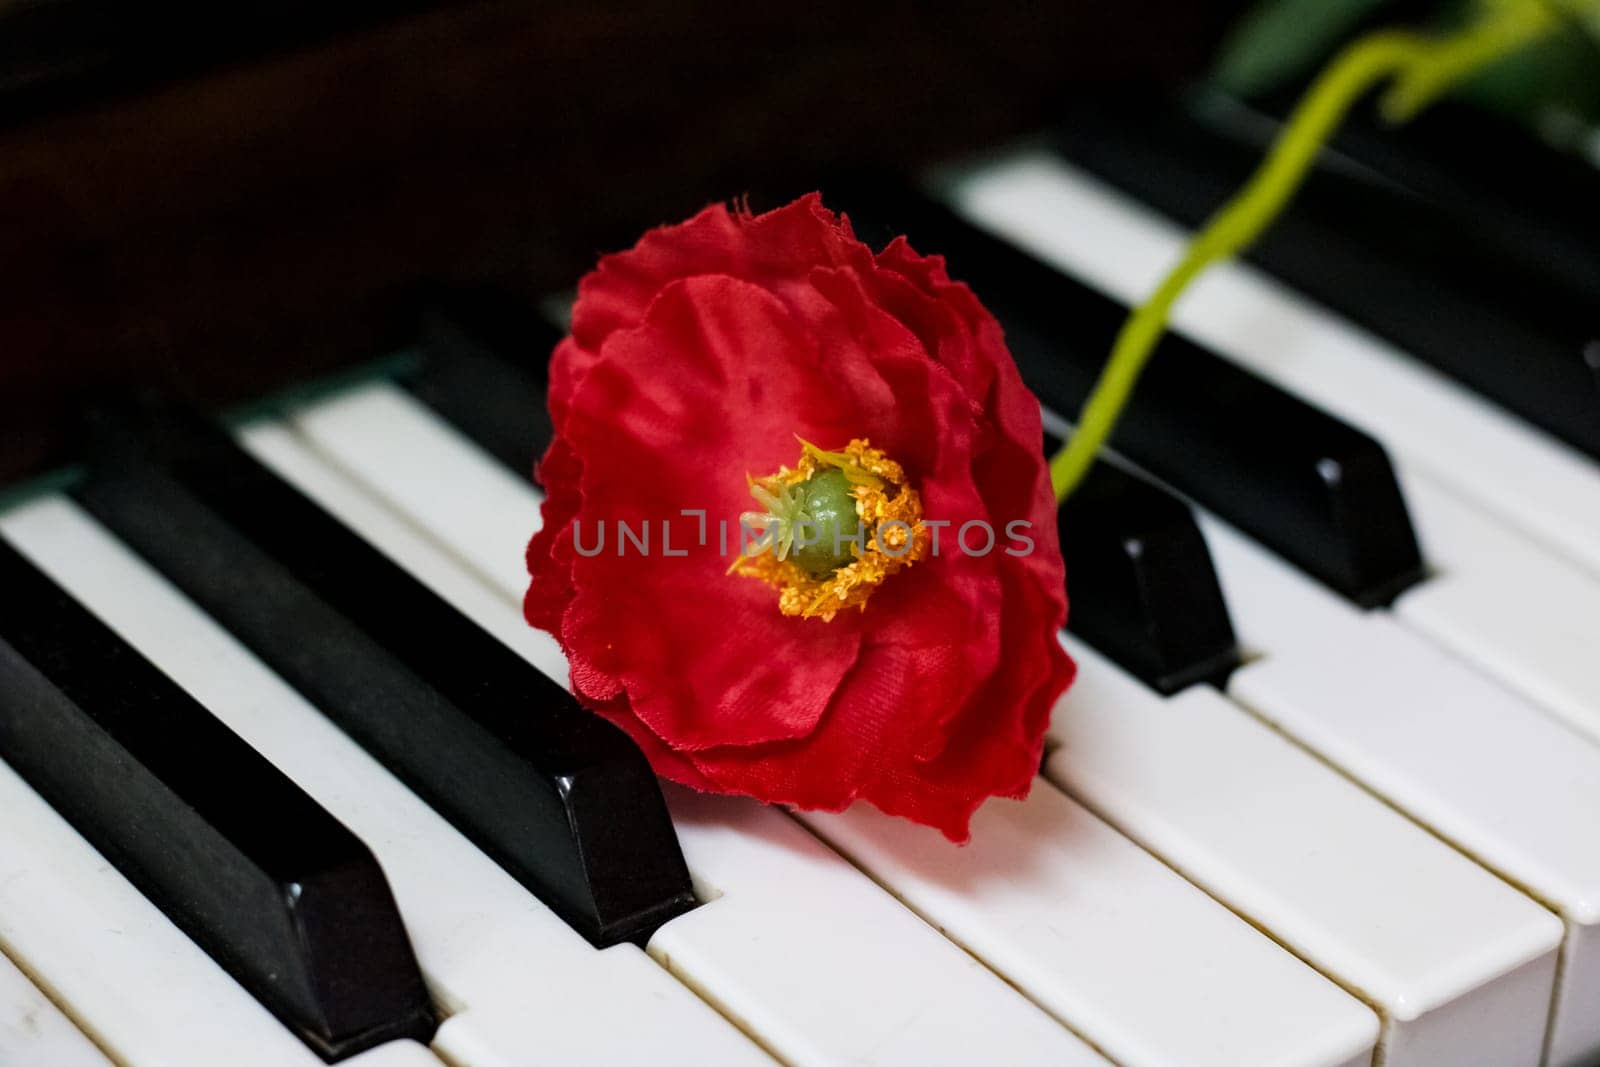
point(1282, 41)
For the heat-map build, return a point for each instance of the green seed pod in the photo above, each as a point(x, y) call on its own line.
point(828, 510)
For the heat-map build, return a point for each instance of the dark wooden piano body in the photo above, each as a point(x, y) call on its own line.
point(219, 204)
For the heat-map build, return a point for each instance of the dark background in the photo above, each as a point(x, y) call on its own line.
point(224, 199)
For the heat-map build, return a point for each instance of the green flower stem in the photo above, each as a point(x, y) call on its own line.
point(1422, 67)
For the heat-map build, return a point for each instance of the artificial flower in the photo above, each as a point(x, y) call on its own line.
point(739, 395)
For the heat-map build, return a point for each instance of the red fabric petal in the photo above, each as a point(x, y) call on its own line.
point(695, 358)
point(704, 657)
point(774, 250)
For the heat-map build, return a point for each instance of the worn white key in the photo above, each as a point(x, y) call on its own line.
point(1512, 470)
point(1107, 938)
point(395, 1054)
point(487, 948)
point(436, 564)
point(792, 919)
point(796, 941)
point(1460, 964)
point(34, 1030)
point(1467, 758)
point(1505, 605)
point(412, 457)
point(151, 996)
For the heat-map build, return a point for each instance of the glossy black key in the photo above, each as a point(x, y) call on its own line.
point(271, 886)
point(1306, 485)
point(1450, 285)
point(1141, 586)
point(485, 356)
point(560, 798)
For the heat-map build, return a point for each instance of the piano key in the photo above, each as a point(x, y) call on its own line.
point(396, 1054)
point(33, 1029)
point(1140, 583)
point(1429, 280)
point(773, 893)
point(436, 563)
point(288, 901)
point(1107, 938)
point(1074, 222)
point(930, 1002)
point(484, 364)
point(504, 1033)
point(513, 975)
point(1460, 965)
point(1507, 606)
point(1486, 771)
point(559, 797)
point(420, 463)
point(1571, 1042)
point(1315, 490)
point(149, 994)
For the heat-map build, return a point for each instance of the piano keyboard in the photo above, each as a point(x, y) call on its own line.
point(1365, 836)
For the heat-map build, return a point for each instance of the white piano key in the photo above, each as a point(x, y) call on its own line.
point(1572, 1041)
point(486, 946)
point(1507, 467)
point(1505, 605)
point(395, 1054)
point(796, 941)
point(34, 1030)
point(390, 528)
point(1460, 965)
point(357, 425)
point(1485, 770)
point(151, 996)
point(1107, 938)
point(792, 919)
point(503, 1035)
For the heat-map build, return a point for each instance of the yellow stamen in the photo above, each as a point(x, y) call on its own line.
point(890, 512)
point(854, 472)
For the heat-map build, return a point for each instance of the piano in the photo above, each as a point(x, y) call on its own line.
point(278, 293)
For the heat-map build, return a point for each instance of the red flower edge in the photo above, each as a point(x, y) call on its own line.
point(695, 359)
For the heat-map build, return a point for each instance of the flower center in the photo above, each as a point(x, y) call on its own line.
point(832, 529)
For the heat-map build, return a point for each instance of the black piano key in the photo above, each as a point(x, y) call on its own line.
point(485, 356)
point(1538, 212)
point(1507, 320)
point(1141, 586)
point(556, 795)
point(1316, 491)
point(280, 894)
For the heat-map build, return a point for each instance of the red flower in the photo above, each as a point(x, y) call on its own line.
point(695, 361)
